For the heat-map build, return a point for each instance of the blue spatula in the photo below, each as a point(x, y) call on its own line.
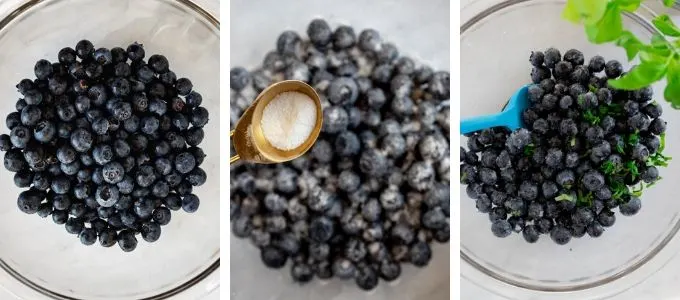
point(510, 117)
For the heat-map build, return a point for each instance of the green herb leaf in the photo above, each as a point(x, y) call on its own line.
point(658, 52)
point(590, 117)
point(629, 42)
point(586, 11)
point(607, 29)
point(668, 3)
point(564, 197)
point(607, 167)
point(572, 142)
point(619, 148)
point(529, 150)
point(664, 24)
point(633, 169)
point(672, 91)
point(628, 5)
point(641, 76)
point(634, 138)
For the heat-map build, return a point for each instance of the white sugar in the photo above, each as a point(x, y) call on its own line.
point(288, 120)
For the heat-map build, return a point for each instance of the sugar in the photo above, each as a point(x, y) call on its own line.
point(288, 120)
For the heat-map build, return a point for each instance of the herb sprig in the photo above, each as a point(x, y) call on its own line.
point(660, 58)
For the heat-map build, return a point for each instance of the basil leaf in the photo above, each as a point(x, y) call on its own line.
point(587, 11)
point(629, 42)
point(641, 76)
point(565, 197)
point(658, 42)
point(668, 3)
point(654, 55)
point(608, 29)
point(664, 24)
point(628, 5)
point(672, 91)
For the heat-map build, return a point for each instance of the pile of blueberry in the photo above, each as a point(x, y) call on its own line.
point(588, 149)
point(106, 143)
point(374, 190)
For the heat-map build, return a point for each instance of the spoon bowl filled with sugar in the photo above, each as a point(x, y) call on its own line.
point(282, 124)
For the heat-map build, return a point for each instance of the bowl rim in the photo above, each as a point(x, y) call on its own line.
point(23, 8)
point(476, 18)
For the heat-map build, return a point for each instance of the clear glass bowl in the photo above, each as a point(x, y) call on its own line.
point(253, 33)
point(496, 40)
point(42, 256)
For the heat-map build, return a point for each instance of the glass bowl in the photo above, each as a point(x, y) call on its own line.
point(43, 257)
point(496, 40)
point(253, 33)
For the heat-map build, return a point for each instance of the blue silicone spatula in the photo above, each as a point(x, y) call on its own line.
point(510, 117)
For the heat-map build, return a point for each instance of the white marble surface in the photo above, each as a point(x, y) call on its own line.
point(660, 286)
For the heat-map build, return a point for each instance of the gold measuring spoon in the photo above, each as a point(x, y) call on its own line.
point(248, 138)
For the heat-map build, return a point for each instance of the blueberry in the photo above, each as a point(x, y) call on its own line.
point(20, 136)
point(319, 33)
point(606, 218)
point(439, 85)
point(582, 217)
point(536, 58)
point(649, 175)
point(185, 162)
point(103, 56)
point(135, 52)
point(190, 203)
point(613, 69)
point(43, 69)
point(158, 63)
point(113, 172)
point(631, 207)
point(574, 56)
point(102, 154)
point(81, 140)
point(88, 236)
point(343, 91)
point(107, 195)
point(273, 257)
point(199, 117)
point(150, 231)
point(239, 78)
point(539, 73)
point(120, 87)
point(74, 226)
point(640, 153)
point(107, 237)
point(604, 96)
point(44, 131)
point(126, 240)
point(29, 201)
point(288, 43)
point(301, 272)
point(653, 110)
point(658, 126)
point(596, 64)
point(501, 228)
point(560, 235)
point(551, 57)
point(595, 229)
point(343, 37)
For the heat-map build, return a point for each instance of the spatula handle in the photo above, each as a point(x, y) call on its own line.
point(481, 122)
